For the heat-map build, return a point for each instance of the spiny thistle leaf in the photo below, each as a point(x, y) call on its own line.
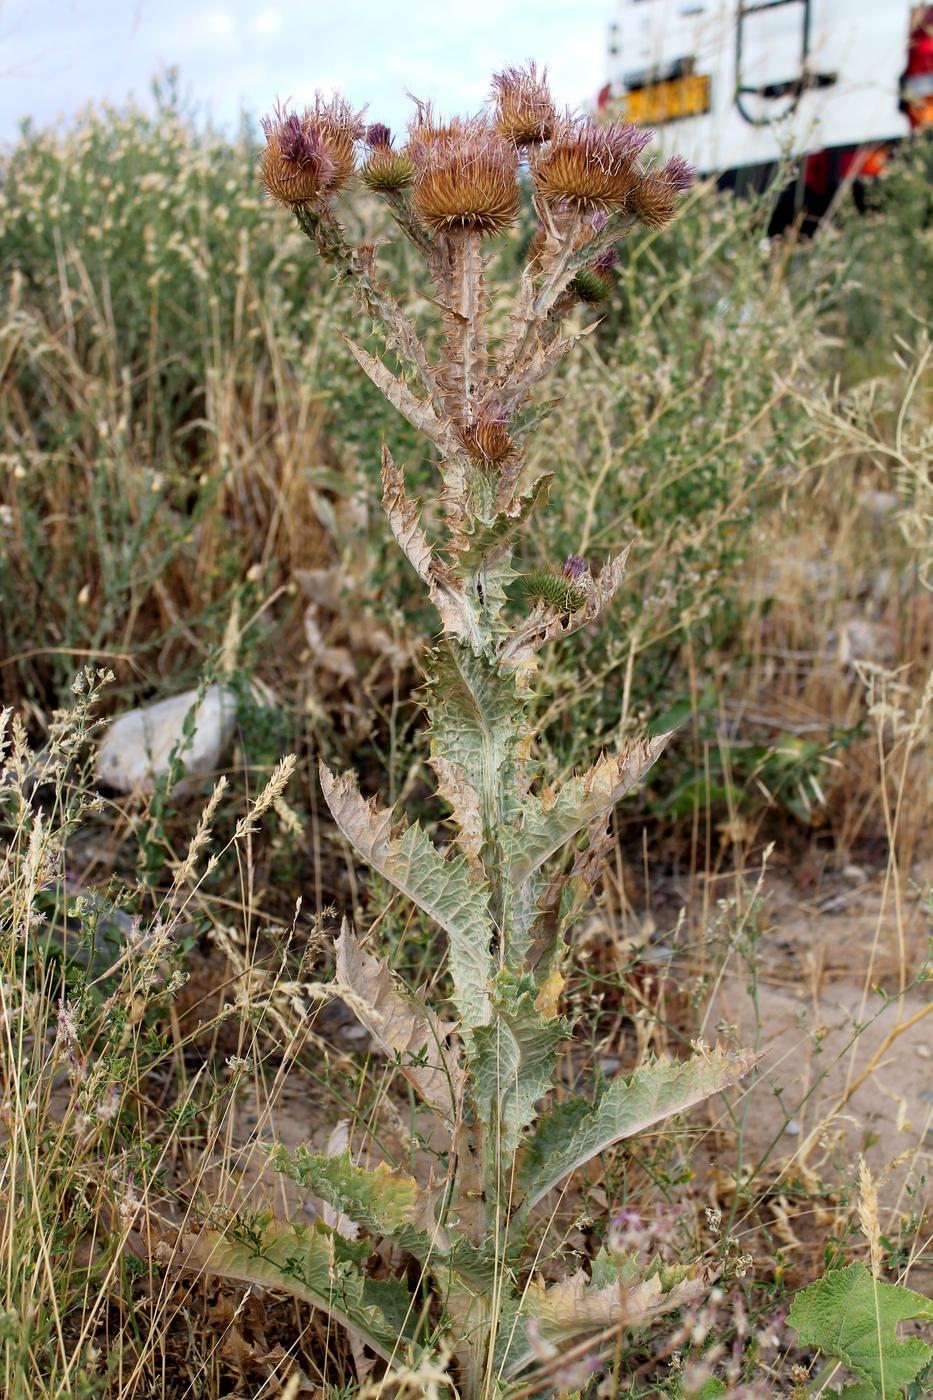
point(852, 1316)
point(488, 540)
point(310, 1262)
point(549, 822)
point(419, 412)
point(457, 612)
point(445, 890)
point(405, 1031)
point(575, 1132)
point(476, 723)
point(572, 1309)
point(385, 1201)
point(460, 794)
point(513, 1066)
point(538, 912)
point(543, 354)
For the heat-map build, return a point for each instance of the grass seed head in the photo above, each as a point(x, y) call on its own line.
point(466, 176)
point(525, 112)
point(589, 167)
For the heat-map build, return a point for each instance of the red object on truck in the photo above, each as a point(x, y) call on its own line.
point(917, 82)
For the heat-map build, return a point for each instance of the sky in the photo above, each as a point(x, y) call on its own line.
point(56, 55)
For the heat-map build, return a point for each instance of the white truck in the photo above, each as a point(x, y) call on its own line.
point(737, 85)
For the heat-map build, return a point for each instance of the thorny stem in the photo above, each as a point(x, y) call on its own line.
point(324, 230)
point(468, 281)
point(557, 280)
point(560, 273)
point(400, 209)
point(550, 304)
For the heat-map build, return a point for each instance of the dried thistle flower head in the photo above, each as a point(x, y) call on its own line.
point(657, 192)
point(589, 167)
point(525, 112)
point(466, 177)
point(309, 158)
point(377, 135)
point(424, 129)
point(487, 438)
point(340, 128)
point(295, 167)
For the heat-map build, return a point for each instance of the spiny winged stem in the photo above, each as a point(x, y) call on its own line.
point(526, 852)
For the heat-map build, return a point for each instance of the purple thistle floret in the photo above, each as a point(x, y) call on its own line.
point(607, 260)
point(298, 142)
point(626, 141)
point(598, 221)
point(378, 135)
point(680, 173)
point(574, 567)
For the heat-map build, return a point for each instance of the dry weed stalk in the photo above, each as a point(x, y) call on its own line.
point(526, 852)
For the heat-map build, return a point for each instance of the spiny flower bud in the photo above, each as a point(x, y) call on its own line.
point(295, 167)
point(656, 194)
point(588, 166)
point(385, 171)
point(465, 177)
point(487, 438)
point(425, 130)
point(593, 284)
point(525, 112)
point(590, 286)
point(554, 590)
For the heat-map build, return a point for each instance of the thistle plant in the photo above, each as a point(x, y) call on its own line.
point(527, 849)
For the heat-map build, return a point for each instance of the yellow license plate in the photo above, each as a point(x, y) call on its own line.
point(668, 101)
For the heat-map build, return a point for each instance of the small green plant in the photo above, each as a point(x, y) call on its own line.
point(527, 847)
point(852, 1316)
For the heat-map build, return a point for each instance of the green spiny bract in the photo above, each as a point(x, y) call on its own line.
point(590, 286)
point(527, 850)
point(554, 589)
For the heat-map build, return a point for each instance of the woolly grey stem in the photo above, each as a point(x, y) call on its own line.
point(467, 274)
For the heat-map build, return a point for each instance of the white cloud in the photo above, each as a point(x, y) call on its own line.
point(59, 54)
point(267, 22)
point(221, 24)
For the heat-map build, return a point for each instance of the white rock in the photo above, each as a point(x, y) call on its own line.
point(879, 503)
point(136, 749)
point(864, 640)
